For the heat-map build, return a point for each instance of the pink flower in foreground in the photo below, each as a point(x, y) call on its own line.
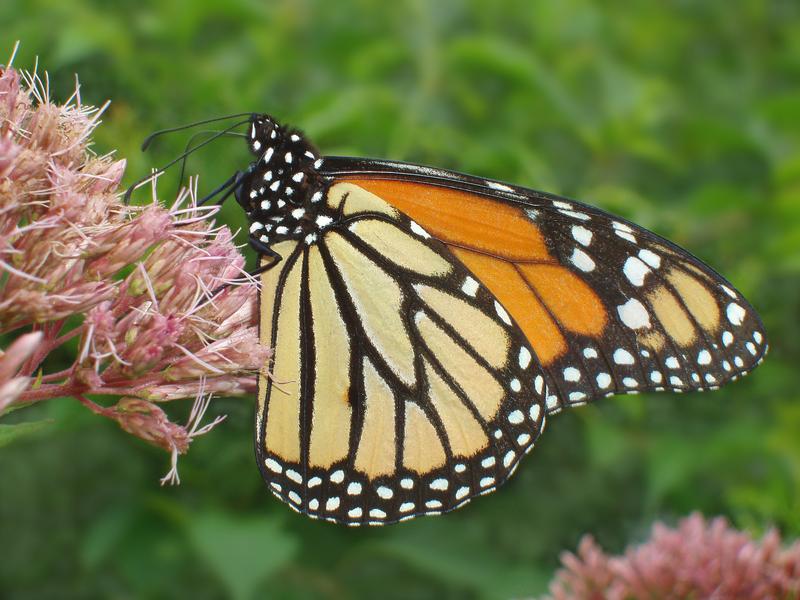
point(698, 559)
point(155, 296)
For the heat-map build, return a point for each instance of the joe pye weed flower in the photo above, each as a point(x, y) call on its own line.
point(156, 297)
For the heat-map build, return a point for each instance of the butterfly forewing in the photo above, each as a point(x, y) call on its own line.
point(400, 385)
point(606, 306)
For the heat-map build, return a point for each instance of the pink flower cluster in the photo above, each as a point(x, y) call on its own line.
point(156, 297)
point(698, 559)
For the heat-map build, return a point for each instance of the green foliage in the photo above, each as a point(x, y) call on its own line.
point(11, 433)
point(682, 116)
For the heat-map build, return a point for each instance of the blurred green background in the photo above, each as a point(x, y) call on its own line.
point(683, 116)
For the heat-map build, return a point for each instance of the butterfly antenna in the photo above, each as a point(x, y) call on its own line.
point(143, 180)
point(189, 144)
point(149, 139)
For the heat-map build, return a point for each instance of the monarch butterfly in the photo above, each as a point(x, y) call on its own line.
point(426, 323)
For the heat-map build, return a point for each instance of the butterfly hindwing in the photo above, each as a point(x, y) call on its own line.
point(400, 385)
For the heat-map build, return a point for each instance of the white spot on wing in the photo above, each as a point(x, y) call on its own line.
point(524, 357)
point(704, 358)
point(735, 313)
point(419, 230)
point(582, 260)
point(575, 214)
point(582, 235)
point(470, 287)
point(516, 417)
point(621, 227)
point(623, 357)
point(501, 312)
point(634, 315)
point(499, 186)
point(273, 465)
point(603, 380)
point(635, 270)
point(650, 257)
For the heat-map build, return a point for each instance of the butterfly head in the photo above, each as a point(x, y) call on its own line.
point(281, 190)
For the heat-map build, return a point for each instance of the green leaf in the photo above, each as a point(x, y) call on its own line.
point(464, 561)
point(10, 433)
point(242, 551)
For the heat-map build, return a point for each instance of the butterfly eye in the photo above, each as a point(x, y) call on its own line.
point(241, 189)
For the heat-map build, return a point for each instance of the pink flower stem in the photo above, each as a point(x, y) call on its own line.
point(94, 407)
point(49, 343)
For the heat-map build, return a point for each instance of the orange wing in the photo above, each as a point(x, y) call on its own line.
point(607, 307)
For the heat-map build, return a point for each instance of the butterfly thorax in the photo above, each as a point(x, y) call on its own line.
point(282, 190)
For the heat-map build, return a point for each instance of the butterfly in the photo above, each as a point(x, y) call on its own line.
point(426, 324)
